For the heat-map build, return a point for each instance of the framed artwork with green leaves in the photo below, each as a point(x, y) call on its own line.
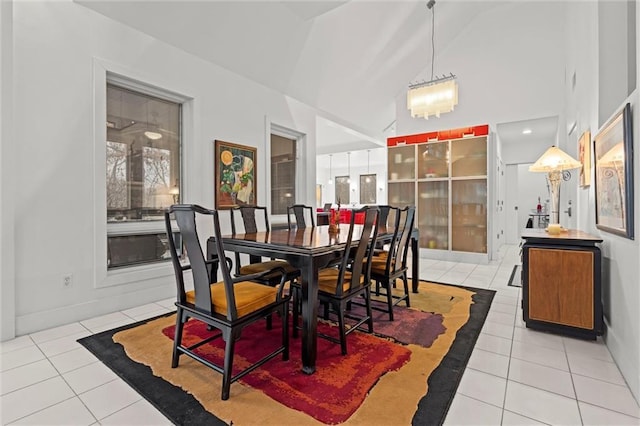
point(235, 175)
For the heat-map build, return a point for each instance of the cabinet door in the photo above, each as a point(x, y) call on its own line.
point(469, 157)
point(402, 162)
point(433, 160)
point(433, 220)
point(561, 287)
point(469, 215)
point(402, 194)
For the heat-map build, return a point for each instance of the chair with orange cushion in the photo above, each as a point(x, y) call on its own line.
point(254, 219)
point(389, 265)
point(227, 306)
point(338, 285)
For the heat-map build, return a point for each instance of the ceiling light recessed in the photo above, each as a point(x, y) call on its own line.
point(152, 135)
point(526, 131)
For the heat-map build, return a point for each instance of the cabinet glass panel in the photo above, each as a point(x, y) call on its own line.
point(402, 162)
point(469, 215)
point(401, 194)
point(433, 220)
point(469, 157)
point(433, 160)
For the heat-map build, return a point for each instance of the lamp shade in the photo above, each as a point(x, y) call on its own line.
point(554, 159)
point(433, 98)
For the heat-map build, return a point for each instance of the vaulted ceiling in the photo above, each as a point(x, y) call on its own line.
point(349, 58)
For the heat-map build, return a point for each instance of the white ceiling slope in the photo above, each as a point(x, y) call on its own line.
point(348, 58)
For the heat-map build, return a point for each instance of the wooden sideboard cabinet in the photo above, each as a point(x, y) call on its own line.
point(561, 283)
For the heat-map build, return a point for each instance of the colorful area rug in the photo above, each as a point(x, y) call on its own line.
point(407, 373)
point(332, 394)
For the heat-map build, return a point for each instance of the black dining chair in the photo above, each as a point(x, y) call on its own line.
point(302, 214)
point(227, 306)
point(250, 216)
point(349, 279)
point(391, 264)
point(383, 222)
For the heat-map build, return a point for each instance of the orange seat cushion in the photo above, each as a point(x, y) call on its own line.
point(379, 263)
point(256, 268)
point(249, 296)
point(328, 280)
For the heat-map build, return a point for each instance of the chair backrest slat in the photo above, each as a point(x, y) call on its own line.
point(353, 257)
point(396, 256)
point(250, 220)
point(403, 245)
point(178, 270)
point(298, 210)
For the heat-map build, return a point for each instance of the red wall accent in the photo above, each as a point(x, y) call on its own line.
point(442, 135)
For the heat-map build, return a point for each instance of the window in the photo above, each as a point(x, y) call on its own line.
point(283, 173)
point(343, 193)
point(368, 190)
point(142, 173)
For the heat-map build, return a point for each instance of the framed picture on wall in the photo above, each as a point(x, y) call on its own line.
point(613, 153)
point(235, 175)
point(584, 151)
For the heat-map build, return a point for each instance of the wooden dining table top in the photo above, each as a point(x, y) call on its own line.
point(306, 240)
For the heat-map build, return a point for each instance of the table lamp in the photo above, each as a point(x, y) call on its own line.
point(554, 161)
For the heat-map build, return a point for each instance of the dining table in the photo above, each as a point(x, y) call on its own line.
point(309, 250)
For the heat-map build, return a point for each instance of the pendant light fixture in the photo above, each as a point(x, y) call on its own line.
point(349, 167)
point(368, 178)
point(436, 96)
point(330, 169)
point(154, 136)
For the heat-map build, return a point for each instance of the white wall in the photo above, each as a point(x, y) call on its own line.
point(59, 49)
point(510, 67)
point(621, 293)
point(336, 165)
point(7, 269)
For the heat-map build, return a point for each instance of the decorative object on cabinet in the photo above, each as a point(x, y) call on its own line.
point(436, 96)
point(554, 161)
point(561, 283)
point(613, 148)
point(584, 150)
point(448, 184)
point(235, 175)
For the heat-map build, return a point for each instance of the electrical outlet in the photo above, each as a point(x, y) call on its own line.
point(67, 280)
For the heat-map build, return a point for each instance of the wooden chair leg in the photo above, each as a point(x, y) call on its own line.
point(389, 300)
point(343, 331)
point(228, 364)
point(177, 339)
point(269, 322)
point(367, 301)
point(406, 289)
point(296, 310)
point(285, 332)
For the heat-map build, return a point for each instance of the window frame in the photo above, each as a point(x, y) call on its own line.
point(104, 71)
point(300, 177)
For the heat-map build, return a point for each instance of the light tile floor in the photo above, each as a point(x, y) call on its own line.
point(515, 376)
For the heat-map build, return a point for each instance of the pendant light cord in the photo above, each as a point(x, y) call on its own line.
point(433, 32)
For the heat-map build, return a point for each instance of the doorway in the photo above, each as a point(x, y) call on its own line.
point(523, 189)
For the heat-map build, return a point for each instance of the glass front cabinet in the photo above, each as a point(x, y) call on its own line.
point(444, 174)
